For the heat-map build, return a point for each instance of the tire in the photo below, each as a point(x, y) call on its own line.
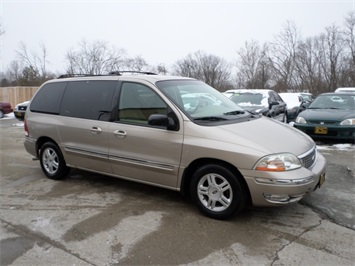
point(1, 114)
point(217, 192)
point(52, 162)
point(285, 119)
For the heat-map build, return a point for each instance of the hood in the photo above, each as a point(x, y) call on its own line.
point(327, 114)
point(268, 136)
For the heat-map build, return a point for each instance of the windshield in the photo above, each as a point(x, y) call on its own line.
point(334, 101)
point(199, 101)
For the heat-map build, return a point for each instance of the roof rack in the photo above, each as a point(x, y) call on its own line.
point(117, 73)
point(75, 75)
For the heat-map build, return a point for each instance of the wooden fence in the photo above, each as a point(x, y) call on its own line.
point(16, 95)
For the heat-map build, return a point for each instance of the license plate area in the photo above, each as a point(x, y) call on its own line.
point(321, 179)
point(321, 130)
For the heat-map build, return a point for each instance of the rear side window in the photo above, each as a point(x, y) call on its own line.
point(48, 98)
point(88, 99)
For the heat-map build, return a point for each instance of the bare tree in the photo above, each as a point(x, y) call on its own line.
point(348, 78)
point(94, 58)
point(34, 64)
point(2, 31)
point(253, 66)
point(282, 56)
point(137, 63)
point(36, 61)
point(209, 68)
point(331, 49)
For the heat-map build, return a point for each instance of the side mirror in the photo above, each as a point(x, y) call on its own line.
point(274, 103)
point(161, 120)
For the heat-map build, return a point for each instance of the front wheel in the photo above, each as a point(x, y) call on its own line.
point(217, 192)
point(52, 161)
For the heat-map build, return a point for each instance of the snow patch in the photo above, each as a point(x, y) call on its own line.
point(337, 147)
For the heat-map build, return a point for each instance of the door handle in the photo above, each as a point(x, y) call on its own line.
point(120, 133)
point(96, 130)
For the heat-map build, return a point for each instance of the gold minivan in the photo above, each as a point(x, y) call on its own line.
point(172, 132)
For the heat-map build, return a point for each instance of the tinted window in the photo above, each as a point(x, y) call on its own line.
point(138, 102)
point(88, 99)
point(48, 98)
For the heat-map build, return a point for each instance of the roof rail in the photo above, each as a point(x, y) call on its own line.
point(119, 73)
point(75, 75)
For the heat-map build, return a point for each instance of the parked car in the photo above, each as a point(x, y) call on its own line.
point(5, 108)
point(20, 110)
point(295, 104)
point(308, 97)
point(138, 128)
point(193, 101)
point(331, 116)
point(264, 102)
point(345, 89)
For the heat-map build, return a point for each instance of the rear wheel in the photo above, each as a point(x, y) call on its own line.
point(52, 161)
point(1, 114)
point(217, 192)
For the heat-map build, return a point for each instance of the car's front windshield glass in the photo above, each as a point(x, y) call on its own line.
point(200, 101)
point(334, 101)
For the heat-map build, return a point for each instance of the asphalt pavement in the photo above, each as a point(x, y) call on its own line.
point(90, 219)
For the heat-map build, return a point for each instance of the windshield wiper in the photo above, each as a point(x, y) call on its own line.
point(236, 112)
point(211, 118)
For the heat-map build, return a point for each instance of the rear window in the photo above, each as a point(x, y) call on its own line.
point(48, 98)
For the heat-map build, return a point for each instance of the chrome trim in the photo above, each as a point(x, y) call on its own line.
point(290, 199)
point(303, 157)
point(151, 164)
point(86, 152)
point(117, 158)
point(286, 182)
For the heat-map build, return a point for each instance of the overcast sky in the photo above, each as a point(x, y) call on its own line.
point(159, 31)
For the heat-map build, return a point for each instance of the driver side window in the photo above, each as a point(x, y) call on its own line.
point(137, 102)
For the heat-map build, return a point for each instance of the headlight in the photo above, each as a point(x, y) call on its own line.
point(348, 122)
point(278, 162)
point(300, 120)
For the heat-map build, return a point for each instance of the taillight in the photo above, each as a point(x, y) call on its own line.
point(27, 134)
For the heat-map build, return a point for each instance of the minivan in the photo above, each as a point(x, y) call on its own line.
point(139, 128)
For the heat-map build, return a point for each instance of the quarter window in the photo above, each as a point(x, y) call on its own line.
point(48, 98)
point(137, 102)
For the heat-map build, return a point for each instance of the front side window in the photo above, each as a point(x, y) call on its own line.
point(137, 102)
point(88, 99)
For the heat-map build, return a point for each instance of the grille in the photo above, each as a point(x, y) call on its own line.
point(320, 122)
point(309, 158)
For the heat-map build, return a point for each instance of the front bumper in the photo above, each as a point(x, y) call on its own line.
point(280, 188)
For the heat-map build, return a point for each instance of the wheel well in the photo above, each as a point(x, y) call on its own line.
point(41, 141)
point(191, 169)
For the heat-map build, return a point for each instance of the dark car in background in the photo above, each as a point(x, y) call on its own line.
point(295, 104)
point(308, 97)
point(260, 101)
point(20, 110)
point(330, 117)
point(5, 108)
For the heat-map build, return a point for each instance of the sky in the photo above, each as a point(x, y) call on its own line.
point(160, 31)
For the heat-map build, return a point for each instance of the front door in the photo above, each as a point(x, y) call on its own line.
point(137, 150)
